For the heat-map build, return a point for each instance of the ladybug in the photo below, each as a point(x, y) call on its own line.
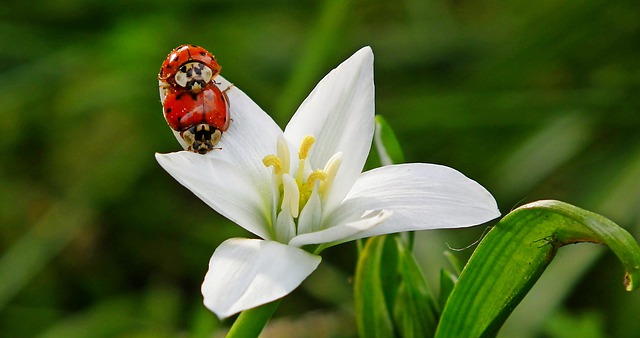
point(188, 67)
point(199, 118)
point(193, 105)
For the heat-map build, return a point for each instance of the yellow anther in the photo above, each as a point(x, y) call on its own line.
point(305, 146)
point(316, 175)
point(273, 161)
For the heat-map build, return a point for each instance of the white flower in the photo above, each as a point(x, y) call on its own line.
point(305, 187)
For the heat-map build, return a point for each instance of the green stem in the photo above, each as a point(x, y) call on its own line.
point(251, 322)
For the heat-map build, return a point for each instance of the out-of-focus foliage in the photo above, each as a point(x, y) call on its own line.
point(532, 99)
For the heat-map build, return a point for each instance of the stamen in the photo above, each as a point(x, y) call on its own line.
point(273, 161)
point(331, 169)
point(291, 198)
point(283, 153)
point(305, 146)
point(316, 175)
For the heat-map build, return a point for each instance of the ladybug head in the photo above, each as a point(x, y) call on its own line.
point(201, 137)
point(193, 76)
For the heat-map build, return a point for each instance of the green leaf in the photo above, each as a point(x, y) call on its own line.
point(415, 311)
point(392, 295)
point(455, 262)
point(447, 282)
point(376, 281)
point(387, 144)
point(515, 253)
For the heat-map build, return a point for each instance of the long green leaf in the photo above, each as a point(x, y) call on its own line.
point(514, 254)
point(447, 282)
point(375, 280)
point(415, 310)
point(389, 149)
point(391, 293)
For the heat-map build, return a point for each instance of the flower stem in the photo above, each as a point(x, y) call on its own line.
point(251, 322)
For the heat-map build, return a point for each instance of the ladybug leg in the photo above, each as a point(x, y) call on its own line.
point(219, 83)
point(165, 89)
point(229, 87)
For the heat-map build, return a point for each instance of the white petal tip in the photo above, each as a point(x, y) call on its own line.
point(363, 55)
point(366, 50)
point(246, 273)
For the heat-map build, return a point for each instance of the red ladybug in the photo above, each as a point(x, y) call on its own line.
point(188, 67)
point(193, 105)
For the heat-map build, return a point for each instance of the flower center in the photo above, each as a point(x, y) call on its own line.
point(297, 188)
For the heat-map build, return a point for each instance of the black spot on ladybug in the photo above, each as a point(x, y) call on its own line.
point(194, 96)
point(168, 110)
point(178, 96)
point(203, 53)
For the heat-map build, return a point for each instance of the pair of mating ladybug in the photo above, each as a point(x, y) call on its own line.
point(193, 105)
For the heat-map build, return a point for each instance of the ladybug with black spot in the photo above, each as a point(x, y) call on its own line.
point(193, 105)
point(188, 67)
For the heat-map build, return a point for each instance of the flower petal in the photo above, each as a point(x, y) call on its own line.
point(285, 226)
point(232, 178)
point(251, 130)
point(421, 196)
point(252, 134)
point(245, 273)
point(339, 113)
point(344, 232)
point(231, 191)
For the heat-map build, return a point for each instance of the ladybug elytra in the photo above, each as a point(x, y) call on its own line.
point(192, 103)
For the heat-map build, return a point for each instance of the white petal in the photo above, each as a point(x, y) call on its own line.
point(245, 273)
point(231, 191)
point(232, 179)
point(285, 226)
point(421, 196)
point(252, 134)
point(344, 232)
point(339, 113)
point(256, 130)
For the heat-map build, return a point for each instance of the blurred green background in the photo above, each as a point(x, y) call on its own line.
point(535, 100)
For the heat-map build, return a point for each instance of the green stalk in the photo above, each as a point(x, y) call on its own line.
point(251, 322)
